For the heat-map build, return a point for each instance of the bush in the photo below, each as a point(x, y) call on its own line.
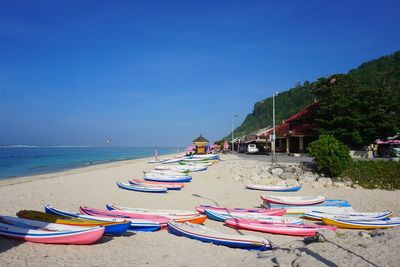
point(331, 156)
point(375, 174)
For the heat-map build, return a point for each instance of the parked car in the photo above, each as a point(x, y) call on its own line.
point(252, 149)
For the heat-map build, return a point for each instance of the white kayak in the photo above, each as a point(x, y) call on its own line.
point(167, 173)
point(300, 210)
point(220, 215)
point(295, 200)
point(171, 168)
point(208, 235)
point(317, 215)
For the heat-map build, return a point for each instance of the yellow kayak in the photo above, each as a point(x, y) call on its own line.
point(45, 217)
point(367, 224)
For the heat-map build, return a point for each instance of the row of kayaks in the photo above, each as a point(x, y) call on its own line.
point(168, 177)
point(182, 159)
point(55, 226)
point(86, 227)
point(334, 212)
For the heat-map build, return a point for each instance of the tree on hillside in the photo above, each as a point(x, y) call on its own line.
point(355, 114)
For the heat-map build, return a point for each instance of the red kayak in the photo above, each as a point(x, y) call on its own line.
point(278, 228)
point(125, 215)
point(272, 212)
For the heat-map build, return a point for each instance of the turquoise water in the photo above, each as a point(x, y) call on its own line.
point(21, 161)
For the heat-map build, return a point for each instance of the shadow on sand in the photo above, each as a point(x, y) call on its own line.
point(7, 243)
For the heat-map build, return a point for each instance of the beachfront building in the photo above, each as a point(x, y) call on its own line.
point(294, 134)
point(200, 144)
point(255, 138)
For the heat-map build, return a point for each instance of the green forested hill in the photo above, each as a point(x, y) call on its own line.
point(286, 104)
point(379, 75)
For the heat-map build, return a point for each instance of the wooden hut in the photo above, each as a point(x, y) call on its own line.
point(200, 143)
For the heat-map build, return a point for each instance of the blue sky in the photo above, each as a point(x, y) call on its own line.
point(159, 73)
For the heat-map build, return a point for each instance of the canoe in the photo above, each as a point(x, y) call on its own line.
point(136, 224)
point(124, 215)
point(48, 233)
point(204, 234)
point(176, 215)
point(221, 216)
point(275, 212)
point(317, 215)
point(295, 200)
point(169, 186)
point(142, 188)
point(172, 214)
point(111, 228)
point(176, 179)
point(274, 228)
point(367, 224)
point(273, 188)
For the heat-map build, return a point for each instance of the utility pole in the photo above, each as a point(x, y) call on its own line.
point(233, 135)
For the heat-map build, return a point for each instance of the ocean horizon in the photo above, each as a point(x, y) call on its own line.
point(25, 160)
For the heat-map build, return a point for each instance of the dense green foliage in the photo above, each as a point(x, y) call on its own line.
point(354, 113)
point(286, 104)
point(375, 174)
point(383, 73)
point(356, 108)
point(331, 156)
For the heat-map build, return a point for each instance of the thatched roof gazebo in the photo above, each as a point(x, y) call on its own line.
point(200, 143)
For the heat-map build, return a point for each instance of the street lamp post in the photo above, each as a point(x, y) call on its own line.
point(233, 135)
point(273, 155)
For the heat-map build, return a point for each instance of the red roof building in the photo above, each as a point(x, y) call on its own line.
point(295, 133)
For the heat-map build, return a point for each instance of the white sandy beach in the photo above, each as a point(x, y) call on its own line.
point(94, 186)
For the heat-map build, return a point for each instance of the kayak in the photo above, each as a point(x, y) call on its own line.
point(222, 216)
point(273, 188)
point(142, 188)
point(329, 205)
point(367, 224)
point(125, 215)
point(204, 234)
point(276, 212)
point(169, 186)
point(112, 228)
point(176, 179)
point(274, 228)
point(317, 215)
point(48, 233)
point(136, 224)
point(295, 200)
point(171, 214)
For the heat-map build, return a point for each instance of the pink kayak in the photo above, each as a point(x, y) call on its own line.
point(278, 228)
point(274, 212)
point(158, 184)
point(125, 215)
point(293, 200)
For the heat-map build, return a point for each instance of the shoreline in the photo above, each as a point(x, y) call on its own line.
point(71, 171)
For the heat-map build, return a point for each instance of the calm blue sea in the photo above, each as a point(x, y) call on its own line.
point(21, 161)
